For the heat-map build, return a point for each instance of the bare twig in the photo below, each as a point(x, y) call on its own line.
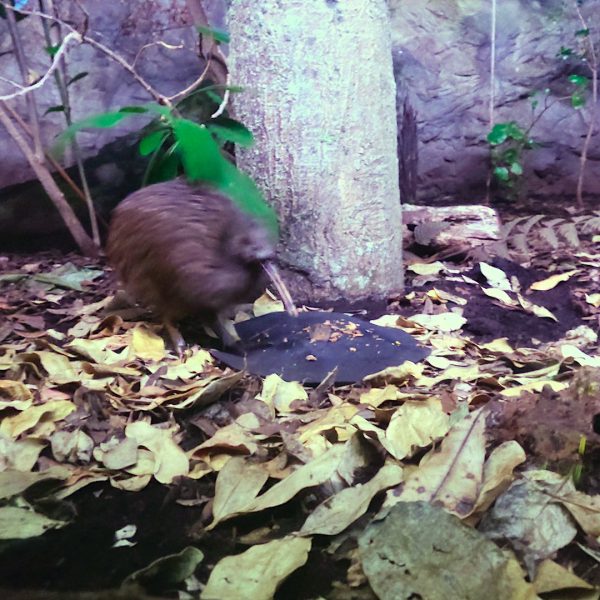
point(492, 103)
point(82, 239)
point(224, 102)
point(193, 86)
point(593, 66)
point(60, 76)
point(22, 62)
point(150, 45)
point(99, 46)
point(59, 169)
point(13, 83)
point(55, 63)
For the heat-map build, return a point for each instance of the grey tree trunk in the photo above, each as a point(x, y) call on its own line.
point(319, 95)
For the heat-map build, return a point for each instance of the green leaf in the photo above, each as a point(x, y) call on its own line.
point(510, 155)
point(163, 167)
point(57, 108)
point(77, 77)
point(577, 100)
point(246, 194)
point(230, 130)
point(516, 168)
point(514, 131)
point(100, 121)
point(200, 154)
point(501, 173)
point(564, 52)
point(52, 50)
point(579, 80)
point(499, 134)
point(214, 97)
point(152, 141)
point(218, 35)
point(582, 32)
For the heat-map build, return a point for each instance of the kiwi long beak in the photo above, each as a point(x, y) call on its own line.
point(273, 273)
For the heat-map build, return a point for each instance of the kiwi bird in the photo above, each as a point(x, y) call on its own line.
point(186, 250)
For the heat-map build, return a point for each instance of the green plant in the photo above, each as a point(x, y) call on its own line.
point(510, 141)
point(587, 57)
point(176, 145)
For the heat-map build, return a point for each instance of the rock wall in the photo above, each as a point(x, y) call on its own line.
point(125, 26)
point(441, 52)
point(442, 66)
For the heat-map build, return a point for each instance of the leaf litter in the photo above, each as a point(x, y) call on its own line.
point(478, 462)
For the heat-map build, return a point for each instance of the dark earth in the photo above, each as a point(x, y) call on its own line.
point(80, 556)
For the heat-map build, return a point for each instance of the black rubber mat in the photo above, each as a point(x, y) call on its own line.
point(308, 347)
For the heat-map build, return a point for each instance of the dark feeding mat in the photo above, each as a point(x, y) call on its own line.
point(308, 347)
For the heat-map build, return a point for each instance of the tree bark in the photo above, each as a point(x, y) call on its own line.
point(319, 95)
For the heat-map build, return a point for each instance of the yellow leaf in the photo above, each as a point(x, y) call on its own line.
point(131, 484)
point(585, 510)
point(551, 577)
point(238, 484)
point(580, 357)
point(415, 425)
point(341, 510)
point(593, 299)
point(145, 344)
point(443, 296)
point(231, 437)
point(314, 473)
point(258, 572)
point(444, 322)
point(22, 523)
point(96, 350)
point(49, 412)
point(500, 295)
point(496, 277)
point(377, 396)
point(450, 476)
point(280, 394)
point(171, 460)
point(426, 268)
point(551, 282)
point(14, 394)
point(399, 373)
point(60, 370)
point(337, 416)
point(20, 455)
point(265, 305)
point(499, 346)
point(498, 473)
point(534, 386)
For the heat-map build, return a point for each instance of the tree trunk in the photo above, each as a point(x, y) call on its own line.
point(319, 95)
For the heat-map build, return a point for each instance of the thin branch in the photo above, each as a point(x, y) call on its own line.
point(492, 102)
point(225, 100)
point(38, 84)
point(593, 66)
point(30, 100)
point(15, 115)
point(75, 228)
point(13, 83)
point(98, 45)
point(193, 86)
point(157, 43)
point(60, 77)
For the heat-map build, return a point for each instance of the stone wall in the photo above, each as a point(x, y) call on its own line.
point(125, 26)
point(442, 66)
